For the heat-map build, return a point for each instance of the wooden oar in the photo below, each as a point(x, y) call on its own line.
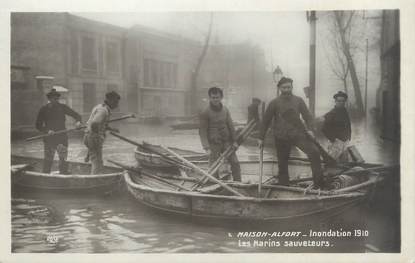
point(261, 170)
point(198, 169)
point(148, 175)
point(249, 127)
point(76, 129)
point(239, 138)
point(215, 166)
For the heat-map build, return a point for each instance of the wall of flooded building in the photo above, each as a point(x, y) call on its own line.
point(388, 99)
point(37, 49)
point(150, 69)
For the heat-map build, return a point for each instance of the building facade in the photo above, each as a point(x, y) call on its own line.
point(151, 70)
point(158, 70)
point(388, 96)
point(240, 69)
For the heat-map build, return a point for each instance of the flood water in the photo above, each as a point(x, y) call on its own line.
point(115, 223)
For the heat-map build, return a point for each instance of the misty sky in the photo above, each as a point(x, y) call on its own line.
point(285, 35)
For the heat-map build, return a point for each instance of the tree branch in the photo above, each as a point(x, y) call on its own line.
point(205, 47)
point(350, 20)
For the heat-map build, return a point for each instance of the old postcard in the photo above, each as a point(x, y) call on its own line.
point(181, 131)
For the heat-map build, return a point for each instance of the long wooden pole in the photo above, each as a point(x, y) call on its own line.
point(261, 170)
point(312, 73)
point(198, 169)
point(249, 127)
point(215, 166)
point(75, 129)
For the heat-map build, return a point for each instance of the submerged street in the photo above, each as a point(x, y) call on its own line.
point(116, 223)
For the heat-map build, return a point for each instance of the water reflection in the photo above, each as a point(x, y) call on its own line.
point(44, 222)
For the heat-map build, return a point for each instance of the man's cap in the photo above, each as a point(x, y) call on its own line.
point(256, 100)
point(112, 95)
point(284, 80)
point(340, 94)
point(53, 93)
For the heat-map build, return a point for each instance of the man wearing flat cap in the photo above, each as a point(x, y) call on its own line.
point(51, 118)
point(336, 125)
point(96, 127)
point(289, 130)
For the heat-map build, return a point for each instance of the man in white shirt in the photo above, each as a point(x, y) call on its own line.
point(96, 127)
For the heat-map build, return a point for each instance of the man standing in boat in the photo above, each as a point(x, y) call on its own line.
point(51, 118)
point(96, 127)
point(253, 112)
point(217, 132)
point(337, 127)
point(289, 130)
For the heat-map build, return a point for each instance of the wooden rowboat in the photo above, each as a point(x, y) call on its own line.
point(277, 203)
point(26, 172)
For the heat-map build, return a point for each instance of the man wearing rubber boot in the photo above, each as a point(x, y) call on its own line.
point(289, 131)
point(217, 132)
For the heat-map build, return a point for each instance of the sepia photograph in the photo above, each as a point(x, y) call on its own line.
point(220, 132)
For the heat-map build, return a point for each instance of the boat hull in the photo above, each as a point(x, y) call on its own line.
point(214, 206)
point(78, 181)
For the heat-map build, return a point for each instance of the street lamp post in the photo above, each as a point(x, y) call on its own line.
point(311, 17)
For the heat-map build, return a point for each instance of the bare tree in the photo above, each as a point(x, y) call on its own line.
point(338, 62)
point(343, 20)
point(199, 62)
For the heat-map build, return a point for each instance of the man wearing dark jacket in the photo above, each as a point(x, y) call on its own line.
point(217, 132)
point(289, 131)
point(253, 113)
point(337, 122)
point(51, 118)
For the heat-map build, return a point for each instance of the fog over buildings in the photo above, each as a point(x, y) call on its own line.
point(150, 57)
point(284, 38)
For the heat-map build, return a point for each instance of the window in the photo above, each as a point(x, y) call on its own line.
point(74, 53)
point(174, 75)
point(89, 96)
point(147, 73)
point(133, 74)
point(112, 57)
point(89, 53)
point(154, 73)
point(159, 74)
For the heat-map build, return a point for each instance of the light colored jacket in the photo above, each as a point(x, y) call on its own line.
point(216, 126)
point(100, 114)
